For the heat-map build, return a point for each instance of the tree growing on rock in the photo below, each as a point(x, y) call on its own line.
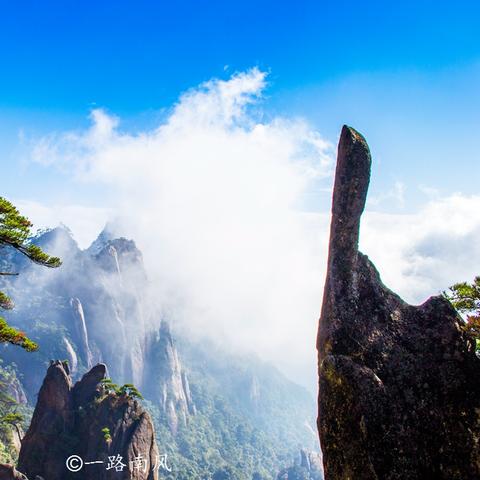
point(15, 232)
point(465, 297)
point(125, 391)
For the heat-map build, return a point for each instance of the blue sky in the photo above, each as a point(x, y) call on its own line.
point(406, 74)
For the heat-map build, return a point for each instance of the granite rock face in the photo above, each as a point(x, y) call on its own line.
point(399, 385)
point(168, 383)
point(69, 419)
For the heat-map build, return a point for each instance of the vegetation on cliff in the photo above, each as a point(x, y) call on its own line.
point(14, 416)
point(465, 297)
point(249, 420)
point(15, 231)
point(128, 390)
point(86, 419)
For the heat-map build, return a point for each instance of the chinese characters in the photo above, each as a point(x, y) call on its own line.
point(75, 463)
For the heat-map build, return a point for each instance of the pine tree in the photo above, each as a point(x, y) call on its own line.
point(15, 232)
point(465, 297)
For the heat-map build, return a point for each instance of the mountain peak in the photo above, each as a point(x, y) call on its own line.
point(107, 234)
point(82, 413)
point(58, 238)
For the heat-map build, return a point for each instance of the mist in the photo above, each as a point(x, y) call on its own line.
point(213, 197)
point(217, 197)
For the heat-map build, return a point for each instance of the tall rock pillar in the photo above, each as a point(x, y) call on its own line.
point(399, 385)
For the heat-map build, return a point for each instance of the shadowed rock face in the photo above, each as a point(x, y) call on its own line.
point(69, 420)
point(53, 417)
point(8, 472)
point(399, 385)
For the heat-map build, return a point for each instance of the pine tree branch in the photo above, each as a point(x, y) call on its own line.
point(33, 253)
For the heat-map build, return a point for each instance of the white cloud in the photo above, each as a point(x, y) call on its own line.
point(421, 254)
point(396, 193)
point(214, 195)
point(84, 221)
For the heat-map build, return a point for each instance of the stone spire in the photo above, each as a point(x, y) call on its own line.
point(399, 385)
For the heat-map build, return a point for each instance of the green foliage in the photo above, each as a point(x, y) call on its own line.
point(216, 443)
point(6, 453)
point(465, 297)
point(13, 416)
point(109, 387)
point(15, 230)
point(294, 473)
point(106, 434)
point(128, 390)
point(5, 301)
point(11, 335)
point(226, 473)
point(229, 432)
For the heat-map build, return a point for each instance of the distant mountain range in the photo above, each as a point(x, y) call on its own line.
point(217, 415)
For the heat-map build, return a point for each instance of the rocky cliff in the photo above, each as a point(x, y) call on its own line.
point(168, 382)
point(211, 409)
point(111, 430)
point(100, 306)
point(399, 385)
